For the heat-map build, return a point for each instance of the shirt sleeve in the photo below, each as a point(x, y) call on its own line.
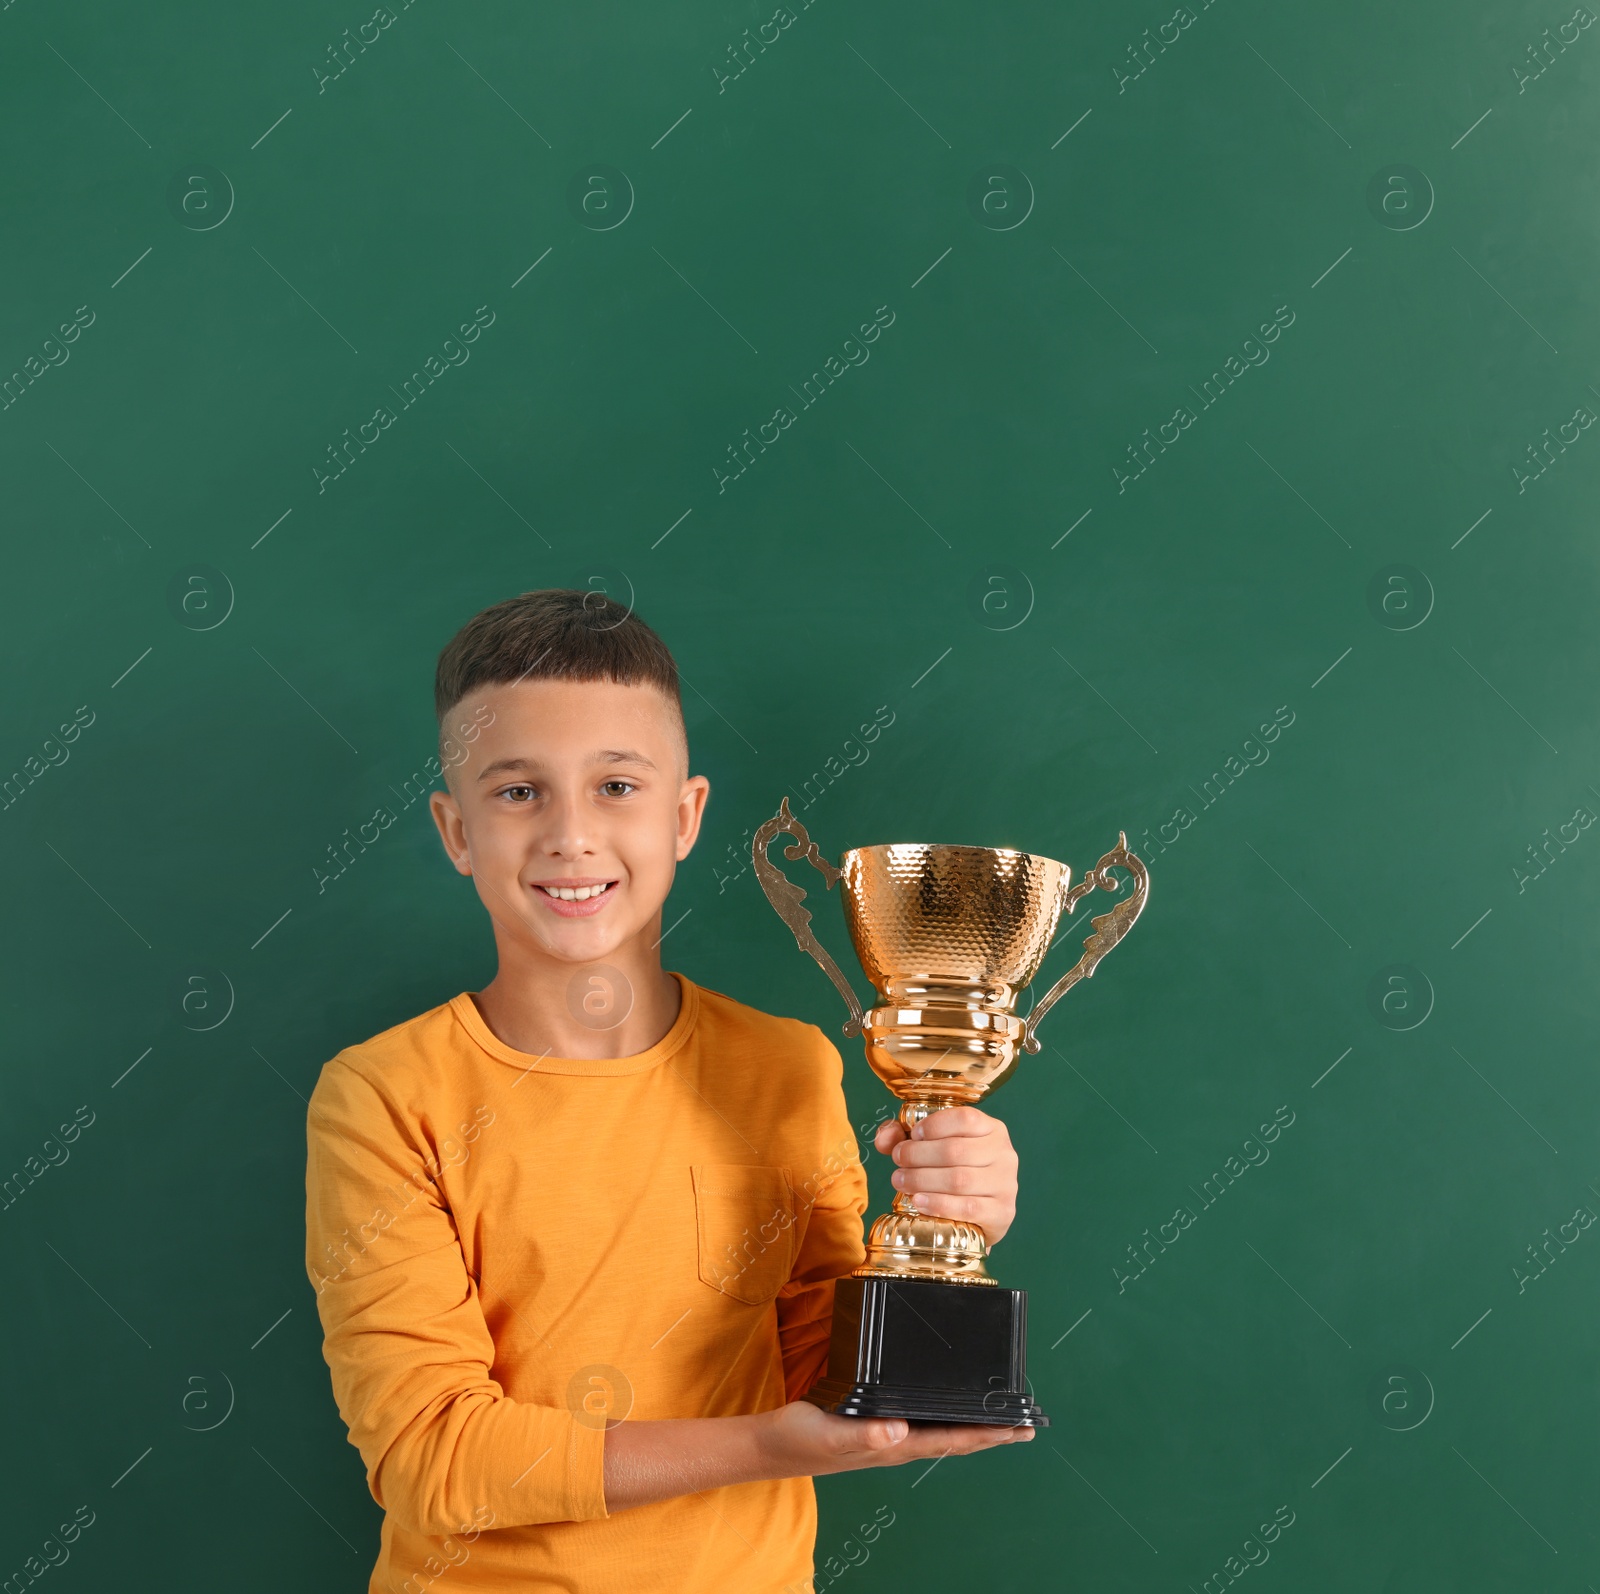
point(835, 1192)
point(405, 1338)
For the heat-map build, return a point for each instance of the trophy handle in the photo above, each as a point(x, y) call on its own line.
point(1109, 928)
point(786, 897)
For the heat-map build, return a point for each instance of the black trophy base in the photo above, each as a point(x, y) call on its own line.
point(929, 1352)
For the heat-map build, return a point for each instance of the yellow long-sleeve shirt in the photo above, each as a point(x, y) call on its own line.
point(508, 1249)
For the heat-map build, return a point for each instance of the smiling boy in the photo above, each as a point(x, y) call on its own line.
point(574, 1236)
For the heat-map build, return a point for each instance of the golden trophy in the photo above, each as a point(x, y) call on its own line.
point(949, 938)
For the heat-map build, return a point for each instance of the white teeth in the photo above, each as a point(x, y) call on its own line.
point(567, 894)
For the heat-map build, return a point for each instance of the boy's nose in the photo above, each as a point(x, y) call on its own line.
point(567, 830)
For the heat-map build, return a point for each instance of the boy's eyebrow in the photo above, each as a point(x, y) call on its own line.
point(607, 755)
point(503, 766)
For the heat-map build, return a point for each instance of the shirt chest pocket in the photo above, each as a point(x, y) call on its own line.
point(746, 1229)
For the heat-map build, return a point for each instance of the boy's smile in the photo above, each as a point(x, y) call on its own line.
point(577, 898)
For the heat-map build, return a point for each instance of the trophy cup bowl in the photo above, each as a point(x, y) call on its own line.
point(949, 937)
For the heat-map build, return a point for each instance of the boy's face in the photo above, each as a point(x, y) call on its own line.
point(570, 785)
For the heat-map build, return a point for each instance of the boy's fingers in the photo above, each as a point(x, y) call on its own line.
point(947, 1181)
point(986, 1211)
point(910, 1440)
point(889, 1134)
point(871, 1442)
point(957, 1439)
point(881, 1432)
point(955, 1121)
point(966, 1150)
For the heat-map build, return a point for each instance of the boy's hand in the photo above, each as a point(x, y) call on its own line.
point(803, 1440)
point(669, 1456)
point(958, 1164)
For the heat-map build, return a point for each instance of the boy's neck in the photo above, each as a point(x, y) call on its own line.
point(550, 1009)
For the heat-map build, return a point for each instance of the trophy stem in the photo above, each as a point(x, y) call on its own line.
point(907, 1244)
point(910, 1115)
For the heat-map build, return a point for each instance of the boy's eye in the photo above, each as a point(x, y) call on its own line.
point(512, 791)
point(625, 785)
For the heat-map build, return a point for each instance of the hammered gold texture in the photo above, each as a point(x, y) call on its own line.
point(924, 916)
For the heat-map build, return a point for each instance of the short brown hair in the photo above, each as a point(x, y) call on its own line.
point(557, 633)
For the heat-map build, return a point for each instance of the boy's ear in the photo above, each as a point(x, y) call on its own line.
point(691, 810)
point(452, 832)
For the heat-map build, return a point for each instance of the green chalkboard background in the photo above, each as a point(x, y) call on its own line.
point(1019, 522)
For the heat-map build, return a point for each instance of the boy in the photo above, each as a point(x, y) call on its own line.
point(574, 1235)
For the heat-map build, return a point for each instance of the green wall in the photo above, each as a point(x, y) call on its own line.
point(1343, 535)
